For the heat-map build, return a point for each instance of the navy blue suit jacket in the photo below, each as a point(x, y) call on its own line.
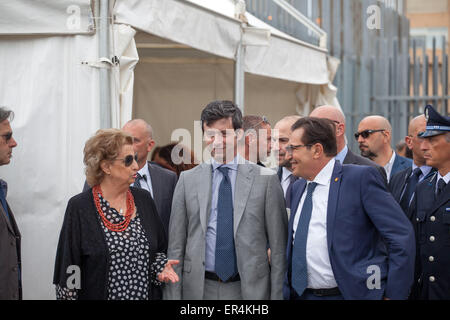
point(361, 215)
point(400, 163)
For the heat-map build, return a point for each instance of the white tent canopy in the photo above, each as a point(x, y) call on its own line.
point(49, 76)
point(210, 26)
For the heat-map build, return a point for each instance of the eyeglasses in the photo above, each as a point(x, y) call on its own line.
point(366, 133)
point(128, 160)
point(290, 148)
point(7, 136)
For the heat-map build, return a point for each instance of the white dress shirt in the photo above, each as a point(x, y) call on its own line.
point(320, 274)
point(146, 183)
point(389, 165)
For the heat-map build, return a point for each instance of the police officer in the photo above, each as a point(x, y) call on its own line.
point(431, 212)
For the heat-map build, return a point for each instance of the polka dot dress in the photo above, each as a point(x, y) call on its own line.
point(128, 276)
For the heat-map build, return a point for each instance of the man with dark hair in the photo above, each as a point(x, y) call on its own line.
point(338, 224)
point(10, 261)
point(224, 213)
point(430, 212)
point(257, 141)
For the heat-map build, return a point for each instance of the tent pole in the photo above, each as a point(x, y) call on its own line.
point(239, 77)
point(105, 81)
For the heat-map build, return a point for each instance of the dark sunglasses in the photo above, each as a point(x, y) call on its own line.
point(128, 160)
point(366, 133)
point(7, 136)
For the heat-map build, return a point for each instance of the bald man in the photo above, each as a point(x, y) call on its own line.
point(403, 184)
point(159, 182)
point(282, 133)
point(345, 155)
point(374, 138)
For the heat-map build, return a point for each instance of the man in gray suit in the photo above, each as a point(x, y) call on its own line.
point(10, 279)
point(223, 215)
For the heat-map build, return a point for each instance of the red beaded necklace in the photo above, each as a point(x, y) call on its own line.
point(117, 227)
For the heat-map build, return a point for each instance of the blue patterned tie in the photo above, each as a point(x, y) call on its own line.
point(226, 266)
point(299, 269)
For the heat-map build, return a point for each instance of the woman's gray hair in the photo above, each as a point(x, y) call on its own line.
point(6, 114)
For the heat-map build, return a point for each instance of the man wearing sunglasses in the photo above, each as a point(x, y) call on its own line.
point(344, 154)
point(159, 181)
point(374, 138)
point(10, 278)
point(341, 216)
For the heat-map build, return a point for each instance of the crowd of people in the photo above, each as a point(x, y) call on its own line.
point(325, 224)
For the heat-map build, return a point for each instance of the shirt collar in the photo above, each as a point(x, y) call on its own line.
point(324, 176)
point(341, 155)
point(144, 171)
point(286, 173)
point(391, 161)
point(424, 169)
point(446, 177)
point(233, 165)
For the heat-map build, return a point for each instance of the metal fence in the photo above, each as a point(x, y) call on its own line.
point(379, 73)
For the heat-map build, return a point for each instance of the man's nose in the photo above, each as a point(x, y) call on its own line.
point(13, 143)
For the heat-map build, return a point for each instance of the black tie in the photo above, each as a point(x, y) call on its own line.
point(292, 179)
point(441, 186)
point(137, 182)
point(411, 183)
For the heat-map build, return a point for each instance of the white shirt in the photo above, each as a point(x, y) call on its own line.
point(146, 183)
point(389, 165)
point(320, 274)
point(285, 179)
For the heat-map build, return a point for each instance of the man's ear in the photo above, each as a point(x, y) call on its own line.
point(408, 141)
point(151, 144)
point(317, 150)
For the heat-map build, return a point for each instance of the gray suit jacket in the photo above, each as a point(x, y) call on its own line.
point(10, 287)
point(259, 217)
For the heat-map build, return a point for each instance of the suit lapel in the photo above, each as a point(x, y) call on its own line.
point(244, 182)
point(333, 197)
point(298, 192)
point(8, 221)
point(203, 183)
point(155, 179)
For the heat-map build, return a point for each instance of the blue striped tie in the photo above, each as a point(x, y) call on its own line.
point(299, 269)
point(225, 264)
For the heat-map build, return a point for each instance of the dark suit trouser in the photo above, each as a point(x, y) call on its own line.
point(310, 296)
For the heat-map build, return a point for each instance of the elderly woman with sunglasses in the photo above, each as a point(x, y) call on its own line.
point(112, 243)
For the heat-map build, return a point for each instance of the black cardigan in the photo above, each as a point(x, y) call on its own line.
point(82, 243)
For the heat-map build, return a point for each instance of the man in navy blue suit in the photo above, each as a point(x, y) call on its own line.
point(374, 138)
point(342, 219)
